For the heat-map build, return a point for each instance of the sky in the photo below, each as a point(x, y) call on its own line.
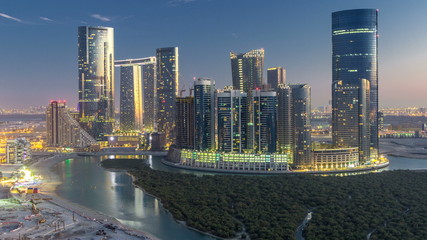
point(38, 58)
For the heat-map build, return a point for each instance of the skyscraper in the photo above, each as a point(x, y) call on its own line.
point(131, 107)
point(232, 120)
point(137, 94)
point(185, 127)
point(204, 114)
point(264, 107)
point(285, 124)
point(276, 76)
point(167, 90)
point(247, 69)
point(301, 110)
point(63, 130)
point(350, 121)
point(96, 79)
point(354, 58)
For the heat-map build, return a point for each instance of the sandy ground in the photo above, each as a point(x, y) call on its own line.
point(404, 147)
point(64, 219)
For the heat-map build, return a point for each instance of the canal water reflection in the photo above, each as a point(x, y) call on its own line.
point(112, 193)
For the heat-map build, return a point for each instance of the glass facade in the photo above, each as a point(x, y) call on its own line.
point(354, 57)
point(264, 125)
point(301, 111)
point(131, 106)
point(96, 79)
point(185, 122)
point(285, 124)
point(247, 69)
point(204, 113)
point(232, 120)
point(149, 74)
point(167, 90)
point(276, 76)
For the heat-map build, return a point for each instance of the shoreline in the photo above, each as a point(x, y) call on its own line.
point(213, 170)
point(183, 223)
point(49, 187)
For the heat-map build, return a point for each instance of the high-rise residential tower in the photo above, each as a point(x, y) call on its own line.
point(232, 120)
point(204, 103)
point(167, 90)
point(185, 127)
point(301, 111)
point(96, 79)
point(131, 108)
point(285, 124)
point(354, 58)
point(264, 105)
point(247, 69)
point(137, 94)
point(276, 76)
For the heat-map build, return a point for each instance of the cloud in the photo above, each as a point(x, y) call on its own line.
point(46, 19)
point(10, 17)
point(99, 17)
point(174, 3)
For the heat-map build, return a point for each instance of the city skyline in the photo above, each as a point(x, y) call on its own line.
point(286, 44)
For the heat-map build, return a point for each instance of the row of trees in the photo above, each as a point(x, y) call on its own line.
point(391, 205)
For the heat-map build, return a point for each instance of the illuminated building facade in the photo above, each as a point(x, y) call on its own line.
point(338, 158)
point(63, 130)
point(185, 127)
point(137, 94)
point(204, 103)
point(247, 69)
point(301, 111)
point(232, 120)
point(354, 57)
point(96, 79)
point(285, 124)
point(276, 76)
point(131, 107)
point(18, 151)
point(264, 107)
point(350, 116)
point(167, 90)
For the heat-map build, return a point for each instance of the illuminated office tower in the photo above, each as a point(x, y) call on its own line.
point(264, 107)
point(185, 122)
point(204, 114)
point(53, 114)
point(137, 94)
point(247, 69)
point(96, 79)
point(350, 116)
point(149, 80)
point(131, 108)
point(285, 124)
point(167, 90)
point(276, 76)
point(354, 57)
point(301, 111)
point(232, 120)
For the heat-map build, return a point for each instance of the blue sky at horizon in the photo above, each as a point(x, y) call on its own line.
point(39, 42)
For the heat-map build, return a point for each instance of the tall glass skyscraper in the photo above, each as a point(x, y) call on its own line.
point(276, 76)
point(204, 102)
point(264, 107)
point(354, 58)
point(232, 120)
point(96, 79)
point(301, 111)
point(137, 94)
point(131, 107)
point(185, 122)
point(167, 90)
point(285, 124)
point(247, 69)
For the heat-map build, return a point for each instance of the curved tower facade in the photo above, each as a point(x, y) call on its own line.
point(354, 59)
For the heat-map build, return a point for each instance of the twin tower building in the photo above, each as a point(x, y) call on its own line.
point(252, 116)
